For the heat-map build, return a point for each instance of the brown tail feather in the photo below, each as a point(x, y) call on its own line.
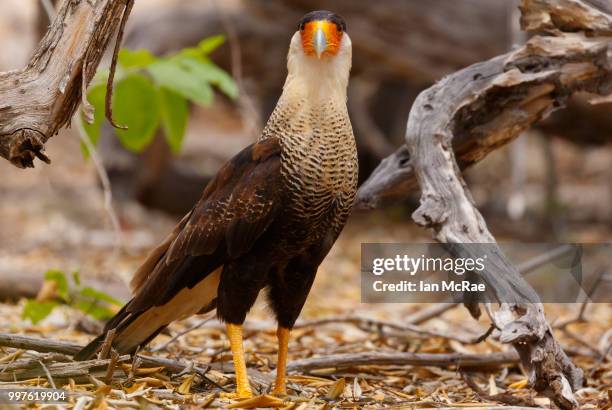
point(133, 329)
point(126, 340)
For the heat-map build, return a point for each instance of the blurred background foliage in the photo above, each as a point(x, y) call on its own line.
point(62, 289)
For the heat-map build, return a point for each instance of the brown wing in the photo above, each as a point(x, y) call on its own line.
point(235, 209)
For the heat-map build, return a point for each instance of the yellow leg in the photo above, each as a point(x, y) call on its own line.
point(281, 368)
point(234, 333)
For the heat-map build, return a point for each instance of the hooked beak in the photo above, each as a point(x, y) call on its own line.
point(319, 42)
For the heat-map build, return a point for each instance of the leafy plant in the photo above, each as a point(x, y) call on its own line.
point(93, 302)
point(153, 91)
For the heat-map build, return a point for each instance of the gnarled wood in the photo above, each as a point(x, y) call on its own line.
point(550, 69)
point(37, 101)
point(468, 114)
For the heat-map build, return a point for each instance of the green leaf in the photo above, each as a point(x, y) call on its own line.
point(174, 112)
point(170, 74)
point(96, 295)
point(96, 96)
point(136, 105)
point(210, 44)
point(193, 52)
point(37, 311)
point(60, 279)
point(208, 71)
point(94, 310)
point(95, 303)
point(135, 58)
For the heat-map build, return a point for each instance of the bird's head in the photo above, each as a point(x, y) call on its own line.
point(320, 50)
point(321, 34)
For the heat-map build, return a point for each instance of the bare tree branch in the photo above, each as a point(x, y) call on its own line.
point(41, 98)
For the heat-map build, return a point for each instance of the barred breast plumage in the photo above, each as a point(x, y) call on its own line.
point(318, 163)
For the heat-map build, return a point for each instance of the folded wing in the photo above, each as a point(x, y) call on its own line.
point(180, 276)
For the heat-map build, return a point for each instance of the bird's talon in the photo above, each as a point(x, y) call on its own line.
point(237, 395)
point(279, 393)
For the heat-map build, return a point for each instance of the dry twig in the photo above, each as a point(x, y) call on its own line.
point(113, 67)
point(179, 334)
point(505, 398)
point(369, 323)
point(107, 344)
point(106, 185)
point(48, 374)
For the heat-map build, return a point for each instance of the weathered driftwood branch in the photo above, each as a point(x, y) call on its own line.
point(549, 69)
point(475, 111)
point(37, 101)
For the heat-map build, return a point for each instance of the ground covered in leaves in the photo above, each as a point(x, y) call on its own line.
point(54, 219)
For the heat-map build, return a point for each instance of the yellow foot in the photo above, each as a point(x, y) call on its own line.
point(239, 394)
point(279, 392)
point(243, 390)
point(257, 402)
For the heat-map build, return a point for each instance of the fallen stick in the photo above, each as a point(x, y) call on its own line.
point(58, 370)
point(38, 345)
point(430, 312)
point(56, 346)
point(22, 364)
point(346, 360)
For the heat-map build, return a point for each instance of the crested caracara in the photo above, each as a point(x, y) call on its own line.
point(267, 219)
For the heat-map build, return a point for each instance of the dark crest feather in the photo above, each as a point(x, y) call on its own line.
point(323, 15)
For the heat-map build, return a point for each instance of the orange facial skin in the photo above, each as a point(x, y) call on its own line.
point(333, 36)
